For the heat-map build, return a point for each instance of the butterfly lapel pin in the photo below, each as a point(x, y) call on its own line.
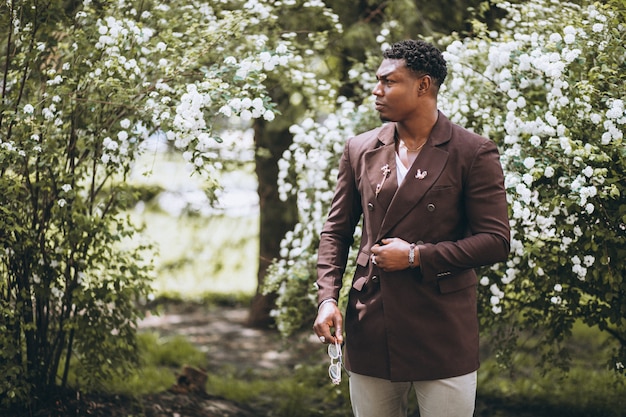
point(420, 175)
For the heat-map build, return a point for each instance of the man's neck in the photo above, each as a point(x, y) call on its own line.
point(416, 131)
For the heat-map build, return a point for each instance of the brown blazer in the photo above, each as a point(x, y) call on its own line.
point(415, 324)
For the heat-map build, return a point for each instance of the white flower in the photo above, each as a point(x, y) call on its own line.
point(571, 55)
point(110, 144)
point(62, 202)
point(616, 111)
point(265, 56)
point(269, 115)
point(558, 287)
point(246, 103)
point(529, 162)
point(55, 81)
point(589, 260)
point(580, 270)
point(125, 123)
point(496, 291)
point(548, 172)
point(29, 109)
point(535, 140)
point(569, 38)
point(226, 110)
point(235, 104)
point(555, 37)
point(597, 27)
point(595, 118)
point(524, 192)
point(527, 179)
point(66, 187)
point(246, 115)
point(257, 103)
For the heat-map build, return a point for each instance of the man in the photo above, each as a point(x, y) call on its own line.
point(432, 198)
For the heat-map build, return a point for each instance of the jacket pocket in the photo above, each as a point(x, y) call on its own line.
point(362, 258)
point(361, 275)
point(452, 283)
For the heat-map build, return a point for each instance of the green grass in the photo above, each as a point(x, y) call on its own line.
point(200, 255)
point(588, 389)
point(197, 254)
point(160, 359)
point(305, 392)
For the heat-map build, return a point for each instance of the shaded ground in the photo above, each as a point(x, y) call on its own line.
point(231, 347)
point(222, 333)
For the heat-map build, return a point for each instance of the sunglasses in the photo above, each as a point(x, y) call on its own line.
point(336, 363)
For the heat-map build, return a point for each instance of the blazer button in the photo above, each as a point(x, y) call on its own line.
point(430, 207)
point(370, 206)
point(375, 278)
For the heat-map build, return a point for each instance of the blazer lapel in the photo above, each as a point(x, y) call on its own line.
point(381, 168)
point(424, 172)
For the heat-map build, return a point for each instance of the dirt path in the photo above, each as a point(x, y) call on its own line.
point(222, 333)
point(230, 346)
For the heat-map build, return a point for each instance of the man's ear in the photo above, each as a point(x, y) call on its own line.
point(425, 83)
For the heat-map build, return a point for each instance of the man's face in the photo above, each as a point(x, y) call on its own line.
point(396, 92)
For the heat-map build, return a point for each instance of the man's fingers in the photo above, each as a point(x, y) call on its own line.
point(338, 327)
point(339, 334)
point(329, 318)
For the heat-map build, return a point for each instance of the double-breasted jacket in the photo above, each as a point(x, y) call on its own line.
point(415, 324)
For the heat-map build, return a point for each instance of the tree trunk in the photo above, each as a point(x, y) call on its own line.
point(276, 217)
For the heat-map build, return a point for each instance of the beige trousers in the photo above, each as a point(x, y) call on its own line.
point(375, 397)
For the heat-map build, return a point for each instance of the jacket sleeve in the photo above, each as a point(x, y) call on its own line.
point(337, 235)
point(488, 231)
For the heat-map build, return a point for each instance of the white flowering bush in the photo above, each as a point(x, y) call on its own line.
point(83, 88)
point(548, 87)
point(308, 171)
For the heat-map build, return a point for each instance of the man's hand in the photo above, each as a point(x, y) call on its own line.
point(392, 254)
point(329, 317)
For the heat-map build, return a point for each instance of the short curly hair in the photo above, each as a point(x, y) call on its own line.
point(421, 57)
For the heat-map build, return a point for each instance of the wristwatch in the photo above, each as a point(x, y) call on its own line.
point(412, 256)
